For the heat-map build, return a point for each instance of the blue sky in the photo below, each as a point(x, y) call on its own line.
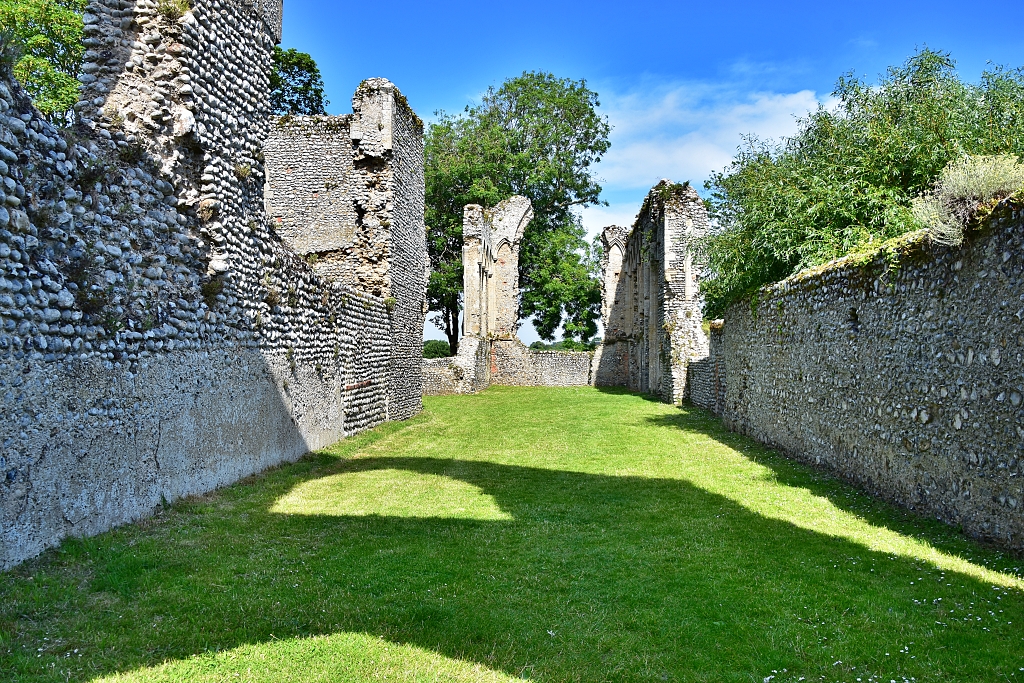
point(679, 82)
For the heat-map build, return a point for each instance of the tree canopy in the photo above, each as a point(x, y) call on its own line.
point(845, 182)
point(537, 136)
point(296, 86)
point(43, 48)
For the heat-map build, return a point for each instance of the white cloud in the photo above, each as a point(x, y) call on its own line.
point(597, 217)
point(681, 131)
point(685, 132)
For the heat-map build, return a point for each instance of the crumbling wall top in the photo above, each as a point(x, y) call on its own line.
point(614, 235)
point(509, 220)
point(374, 105)
point(505, 222)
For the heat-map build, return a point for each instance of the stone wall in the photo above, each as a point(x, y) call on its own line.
point(651, 307)
point(903, 374)
point(465, 373)
point(311, 185)
point(706, 376)
point(507, 362)
point(489, 352)
point(347, 193)
point(157, 338)
point(513, 364)
point(490, 263)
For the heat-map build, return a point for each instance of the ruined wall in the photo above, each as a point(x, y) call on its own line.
point(465, 373)
point(490, 263)
point(347, 193)
point(406, 294)
point(506, 362)
point(489, 352)
point(906, 379)
point(312, 184)
point(157, 339)
point(513, 364)
point(706, 376)
point(651, 307)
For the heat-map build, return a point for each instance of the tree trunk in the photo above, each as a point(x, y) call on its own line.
point(451, 329)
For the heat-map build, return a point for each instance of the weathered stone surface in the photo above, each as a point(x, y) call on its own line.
point(705, 376)
point(490, 262)
point(489, 352)
point(651, 307)
point(900, 378)
point(157, 338)
point(347, 192)
point(513, 364)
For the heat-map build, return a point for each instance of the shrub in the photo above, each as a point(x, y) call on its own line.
point(960, 188)
point(564, 345)
point(210, 291)
point(847, 180)
point(173, 10)
point(131, 153)
point(435, 348)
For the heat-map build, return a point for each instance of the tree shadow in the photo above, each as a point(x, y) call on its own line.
point(594, 577)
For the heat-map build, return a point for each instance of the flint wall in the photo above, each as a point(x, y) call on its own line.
point(903, 375)
point(513, 364)
point(157, 338)
point(347, 193)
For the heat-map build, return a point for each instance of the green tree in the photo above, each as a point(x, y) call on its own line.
point(846, 180)
point(538, 136)
point(435, 348)
point(43, 38)
point(296, 86)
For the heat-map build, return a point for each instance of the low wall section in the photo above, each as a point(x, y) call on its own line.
point(706, 376)
point(465, 373)
point(906, 379)
point(508, 362)
point(515, 365)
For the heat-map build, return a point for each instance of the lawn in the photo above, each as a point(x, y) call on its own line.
point(548, 534)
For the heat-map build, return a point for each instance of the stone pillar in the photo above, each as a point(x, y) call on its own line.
point(472, 268)
point(490, 267)
point(508, 224)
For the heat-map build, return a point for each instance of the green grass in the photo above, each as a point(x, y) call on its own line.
point(550, 534)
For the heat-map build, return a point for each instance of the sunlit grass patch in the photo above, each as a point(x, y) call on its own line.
point(336, 658)
point(757, 488)
point(389, 492)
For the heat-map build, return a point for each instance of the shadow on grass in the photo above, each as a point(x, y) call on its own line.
point(843, 495)
point(623, 391)
point(593, 578)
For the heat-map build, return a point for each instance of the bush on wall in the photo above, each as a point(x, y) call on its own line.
point(847, 180)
